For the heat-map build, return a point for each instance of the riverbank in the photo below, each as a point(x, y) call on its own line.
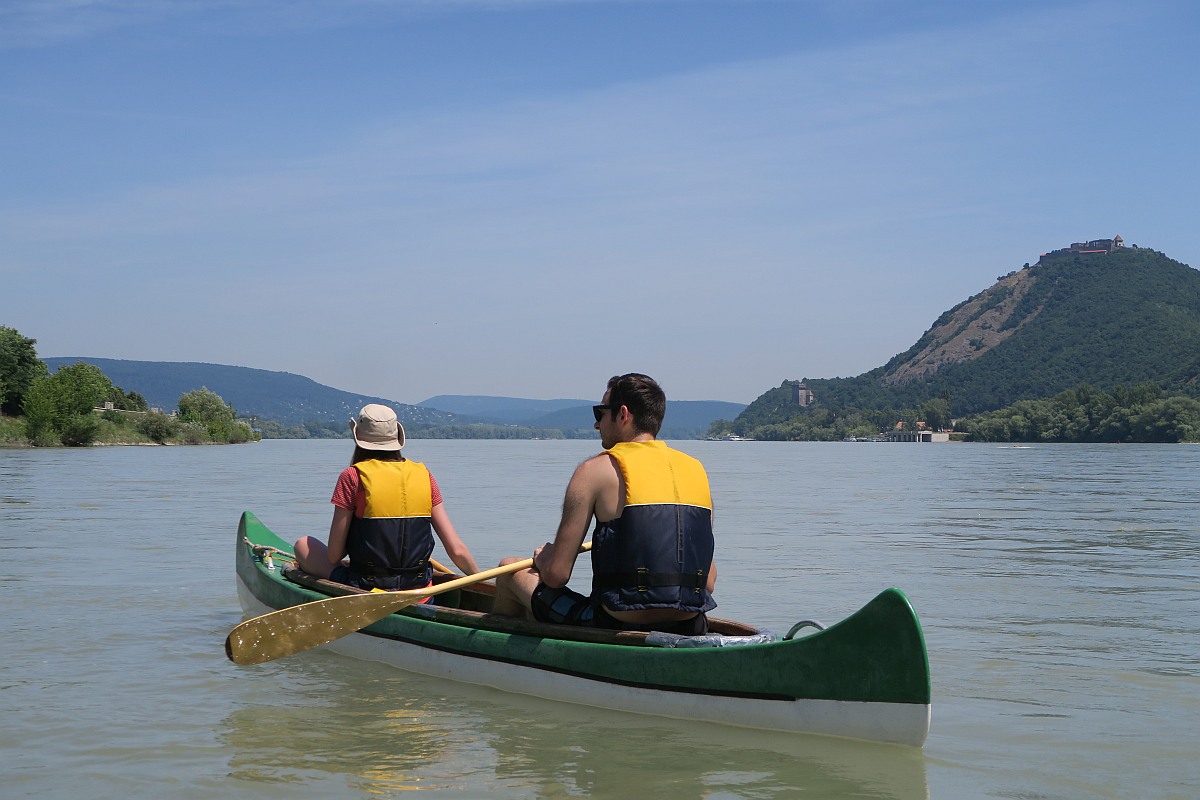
point(12, 432)
point(119, 433)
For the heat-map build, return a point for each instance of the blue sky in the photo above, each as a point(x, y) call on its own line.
point(406, 198)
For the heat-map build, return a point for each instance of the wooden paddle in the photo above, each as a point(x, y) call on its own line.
point(298, 628)
point(440, 567)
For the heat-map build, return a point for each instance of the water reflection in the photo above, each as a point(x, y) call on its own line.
point(382, 732)
point(607, 755)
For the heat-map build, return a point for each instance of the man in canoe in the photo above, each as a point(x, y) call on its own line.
point(652, 549)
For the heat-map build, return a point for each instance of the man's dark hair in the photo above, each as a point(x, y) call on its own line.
point(642, 396)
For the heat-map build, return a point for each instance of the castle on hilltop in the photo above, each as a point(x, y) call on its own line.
point(802, 396)
point(1104, 246)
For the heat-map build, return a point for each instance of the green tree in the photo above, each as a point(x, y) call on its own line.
point(61, 405)
point(80, 430)
point(936, 413)
point(1130, 414)
point(126, 401)
point(719, 427)
point(38, 405)
point(1174, 419)
point(158, 426)
point(19, 367)
point(136, 402)
point(205, 407)
point(79, 388)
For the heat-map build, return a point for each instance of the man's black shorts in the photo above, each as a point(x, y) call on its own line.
point(565, 606)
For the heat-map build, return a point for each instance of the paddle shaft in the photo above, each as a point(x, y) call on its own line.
point(302, 627)
point(440, 567)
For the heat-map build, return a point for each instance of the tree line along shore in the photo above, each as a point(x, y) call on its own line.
point(78, 405)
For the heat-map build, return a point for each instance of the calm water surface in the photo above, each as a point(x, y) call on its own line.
point(1058, 587)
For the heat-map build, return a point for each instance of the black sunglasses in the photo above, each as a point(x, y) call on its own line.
point(598, 411)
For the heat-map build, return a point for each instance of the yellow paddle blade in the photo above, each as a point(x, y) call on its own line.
point(299, 628)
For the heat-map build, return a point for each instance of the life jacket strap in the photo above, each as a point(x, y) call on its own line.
point(645, 580)
point(372, 572)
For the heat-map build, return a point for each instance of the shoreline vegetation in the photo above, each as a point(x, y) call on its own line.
point(112, 427)
point(12, 437)
point(1141, 414)
point(1132, 415)
point(78, 406)
point(314, 429)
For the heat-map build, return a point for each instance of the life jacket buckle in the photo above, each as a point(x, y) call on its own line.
point(643, 579)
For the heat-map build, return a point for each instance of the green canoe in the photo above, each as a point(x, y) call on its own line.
point(866, 677)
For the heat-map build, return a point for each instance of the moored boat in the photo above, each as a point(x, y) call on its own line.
point(866, 677)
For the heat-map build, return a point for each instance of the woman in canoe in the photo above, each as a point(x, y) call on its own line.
point(386, 512)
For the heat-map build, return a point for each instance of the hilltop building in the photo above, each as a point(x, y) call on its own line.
point(801, 396)
point(1104, 246)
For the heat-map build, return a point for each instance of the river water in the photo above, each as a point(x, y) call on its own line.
point(1058, 585)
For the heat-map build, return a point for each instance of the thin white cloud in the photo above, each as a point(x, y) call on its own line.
point(741, 138)
point(771, 198)
point(40, 23)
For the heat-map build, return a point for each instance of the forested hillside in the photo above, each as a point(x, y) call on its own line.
point(1100, 322)
point(1105, 320)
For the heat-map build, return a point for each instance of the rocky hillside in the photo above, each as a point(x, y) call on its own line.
point(1122, 318)
point(967, 331)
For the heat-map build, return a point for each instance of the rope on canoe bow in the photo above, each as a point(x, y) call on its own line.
point(265, 553)
point(804, 623)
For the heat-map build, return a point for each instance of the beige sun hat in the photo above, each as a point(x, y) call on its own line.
point(377, 428)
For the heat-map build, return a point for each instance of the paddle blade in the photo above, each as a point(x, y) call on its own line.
point(298, 628)
point(303, 627)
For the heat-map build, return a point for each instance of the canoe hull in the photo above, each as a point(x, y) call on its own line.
point(865, 678)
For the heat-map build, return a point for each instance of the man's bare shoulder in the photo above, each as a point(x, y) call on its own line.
point(599, 463)
point(596, 471)
point(596, 486)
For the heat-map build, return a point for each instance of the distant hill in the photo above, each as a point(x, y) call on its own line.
point(685, 419)
point(1104, 319)
point(281, 396)
point(293, 400)
point(501, 410)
